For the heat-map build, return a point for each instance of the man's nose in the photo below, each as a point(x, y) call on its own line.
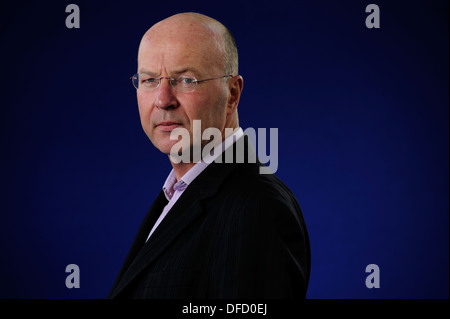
point(166, 98)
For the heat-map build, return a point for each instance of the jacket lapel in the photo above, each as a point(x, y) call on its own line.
point(142, 234)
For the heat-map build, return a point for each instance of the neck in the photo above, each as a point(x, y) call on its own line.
point(181, 168)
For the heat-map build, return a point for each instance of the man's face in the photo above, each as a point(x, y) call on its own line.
point(180, 49)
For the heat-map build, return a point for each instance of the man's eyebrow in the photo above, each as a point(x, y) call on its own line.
point(186, 70)
point(176, 72)
point(145, 71)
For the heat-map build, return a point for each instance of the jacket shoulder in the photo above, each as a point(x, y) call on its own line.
point(246, 181)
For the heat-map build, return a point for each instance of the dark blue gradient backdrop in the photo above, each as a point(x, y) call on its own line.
point(362, 116)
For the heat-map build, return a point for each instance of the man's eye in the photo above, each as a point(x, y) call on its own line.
point(185, 80)
point(149, 80)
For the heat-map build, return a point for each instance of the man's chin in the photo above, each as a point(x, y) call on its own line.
point(172, 147)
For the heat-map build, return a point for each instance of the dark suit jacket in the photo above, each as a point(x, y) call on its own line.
point(234, 233)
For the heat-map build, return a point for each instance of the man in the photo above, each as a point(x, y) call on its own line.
point(218, 229)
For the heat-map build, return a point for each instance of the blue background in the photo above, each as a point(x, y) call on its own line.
point(363, 119)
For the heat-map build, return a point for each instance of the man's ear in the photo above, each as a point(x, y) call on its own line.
point(235, 85)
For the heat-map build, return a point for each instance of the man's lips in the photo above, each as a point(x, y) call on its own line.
point(168, 126)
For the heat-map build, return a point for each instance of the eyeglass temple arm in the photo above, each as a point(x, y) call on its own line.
point(224, 76)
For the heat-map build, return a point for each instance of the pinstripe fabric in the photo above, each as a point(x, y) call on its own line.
point(234, 233)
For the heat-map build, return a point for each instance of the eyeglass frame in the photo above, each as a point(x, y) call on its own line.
point(170, 79)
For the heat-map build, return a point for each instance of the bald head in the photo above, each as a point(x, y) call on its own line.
point(197, 29)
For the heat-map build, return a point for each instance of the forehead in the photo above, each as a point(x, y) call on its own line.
point(171, 47)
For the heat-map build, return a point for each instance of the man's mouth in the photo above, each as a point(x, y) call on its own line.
point(168, 126)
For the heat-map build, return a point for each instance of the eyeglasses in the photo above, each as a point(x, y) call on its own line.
point(182, 83)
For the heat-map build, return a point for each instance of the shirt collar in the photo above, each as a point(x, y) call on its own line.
point(171, 184)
